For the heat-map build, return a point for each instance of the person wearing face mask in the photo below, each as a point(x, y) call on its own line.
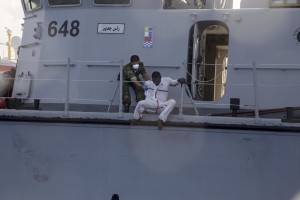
point(131, 78)
point(156, 101)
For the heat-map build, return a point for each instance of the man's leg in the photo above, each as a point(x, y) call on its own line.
point(126, 97)
point(144, 105)
point(169, 106)
point(139, 109)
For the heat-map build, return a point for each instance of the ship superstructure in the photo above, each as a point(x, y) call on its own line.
point(225, 49)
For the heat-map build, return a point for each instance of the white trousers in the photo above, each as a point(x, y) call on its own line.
point(156, 107)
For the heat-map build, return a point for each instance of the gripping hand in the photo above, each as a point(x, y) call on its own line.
point(181, 80)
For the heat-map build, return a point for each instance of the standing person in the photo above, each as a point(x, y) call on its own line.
point(131, 73)
point(157, 98)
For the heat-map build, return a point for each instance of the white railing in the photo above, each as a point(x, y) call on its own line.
point(69, 64)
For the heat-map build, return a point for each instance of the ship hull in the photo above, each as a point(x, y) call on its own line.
point(43, 160)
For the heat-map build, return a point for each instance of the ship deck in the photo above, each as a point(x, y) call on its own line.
point(284, 119)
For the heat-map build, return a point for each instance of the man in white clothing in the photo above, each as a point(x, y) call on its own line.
point(156, 92)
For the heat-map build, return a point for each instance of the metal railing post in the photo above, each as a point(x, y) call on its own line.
point(180, 114)
point(67, 88)
point(121, 90)
point(193, 102)
point(255, 90)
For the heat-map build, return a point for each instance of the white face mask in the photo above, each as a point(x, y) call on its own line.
point(135, 66)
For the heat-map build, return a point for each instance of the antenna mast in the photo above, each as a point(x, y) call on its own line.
point(9, 32)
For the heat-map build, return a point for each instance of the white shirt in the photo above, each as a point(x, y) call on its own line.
point(159, 92)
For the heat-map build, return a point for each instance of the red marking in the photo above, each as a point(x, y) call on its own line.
point(2, 103)
point(148, 39)
point(163, 90)
point(6, 68)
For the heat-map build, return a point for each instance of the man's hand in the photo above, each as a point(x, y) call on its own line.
point(145, 87)
point(181, 80)
point(138, 84)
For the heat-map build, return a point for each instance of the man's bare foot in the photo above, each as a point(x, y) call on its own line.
point(160, 124)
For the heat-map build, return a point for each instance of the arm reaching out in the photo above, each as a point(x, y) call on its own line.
point(136, 82)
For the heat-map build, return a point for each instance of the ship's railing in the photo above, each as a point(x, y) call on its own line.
point(254, 70)
point(97, 64)
point(199, 79)
point(186, 99)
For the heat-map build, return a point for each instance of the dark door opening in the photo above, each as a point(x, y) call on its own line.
point(207, 60)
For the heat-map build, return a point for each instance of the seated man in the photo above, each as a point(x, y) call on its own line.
point(131, 73)
point(157, 98)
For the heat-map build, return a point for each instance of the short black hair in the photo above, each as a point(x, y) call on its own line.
point(134, 58)
point(155, 74)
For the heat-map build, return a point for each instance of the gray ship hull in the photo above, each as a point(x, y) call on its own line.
point(42, 160)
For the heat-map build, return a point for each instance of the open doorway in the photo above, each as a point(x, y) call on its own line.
point(207, 60)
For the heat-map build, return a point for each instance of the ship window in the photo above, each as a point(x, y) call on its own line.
point(110, 2)
point(30, 5)
point(184, 4)
point(63, 2)
point(284, 3)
